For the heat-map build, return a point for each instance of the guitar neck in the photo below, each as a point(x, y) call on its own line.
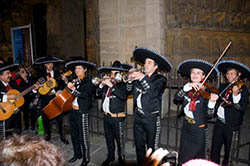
point(25, 91)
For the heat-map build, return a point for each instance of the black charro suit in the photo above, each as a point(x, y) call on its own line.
point(226, 129)
point(194, 130)
point(147, 119)
point(114, 126)
point(29, 115)
point(45, 99)
point(79, 119)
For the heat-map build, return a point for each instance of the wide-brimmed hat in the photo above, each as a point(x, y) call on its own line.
point(226, 64)
point(184, 68)
point(140, 54)
point(47, 59)
point(126, 66)
point(11, 67)
point(74, 63)
point(115, 66)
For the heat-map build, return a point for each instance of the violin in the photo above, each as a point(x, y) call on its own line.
point(205, 91)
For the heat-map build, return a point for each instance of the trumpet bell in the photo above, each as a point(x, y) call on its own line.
point(118, 77)
point(96, 81)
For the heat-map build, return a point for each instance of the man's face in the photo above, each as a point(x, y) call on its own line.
point(49, 66)
point(150, 66)
point(80, 71)
point(113, 72)
point(231, 75)
point(196, 75)
point(6, 76)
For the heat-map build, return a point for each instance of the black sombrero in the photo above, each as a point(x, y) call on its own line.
point(225, 64)
point(140, 54)
point(115, 66)
point(184, 68)
point(126, 66)
point(11, 67)
point(48, 59)
point(72, 64)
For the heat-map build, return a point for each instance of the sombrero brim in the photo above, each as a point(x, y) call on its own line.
point(225, 64)
point(9, 67)
point(107, 68)
point(140, 54)
point(126, 66)
point(73, 64)
point(184, 68)
point(45, 60)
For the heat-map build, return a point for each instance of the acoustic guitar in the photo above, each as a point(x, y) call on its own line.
point(7, 108)
point(51, 83)
point(47, 86)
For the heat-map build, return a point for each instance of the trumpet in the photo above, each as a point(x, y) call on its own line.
point(124, 77)
point(119, 77)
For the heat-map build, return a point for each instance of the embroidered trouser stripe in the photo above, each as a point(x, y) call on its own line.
point(157, 133)
point(121, 136)
point(2, 129)
point(85, 136)
point(234, 144)
point(206, 141)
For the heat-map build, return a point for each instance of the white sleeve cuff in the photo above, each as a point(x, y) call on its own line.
point(186, 87)
point(100, 86)
point(141, 78)
point(5, 97)
point(237, 98)
point(211, 104)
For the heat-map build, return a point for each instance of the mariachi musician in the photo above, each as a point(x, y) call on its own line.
point(195, 107)
point(47, 73)
point(5, 86)
point(82, 88)
point(229, 113)
point(147, 90)
point(21, 82)
point(114, 97)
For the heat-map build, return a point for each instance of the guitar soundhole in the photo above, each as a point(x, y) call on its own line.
point(49, 83)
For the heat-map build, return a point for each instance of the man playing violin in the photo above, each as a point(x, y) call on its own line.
point(230, 113)
point(82, 89)
point(195, 108)
point(147, 90)
point(114, 97)
point(48, 73)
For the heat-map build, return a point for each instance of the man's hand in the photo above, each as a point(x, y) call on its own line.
point(11, 97)
point(71, 86)
point(155, 158)
point(58, 92)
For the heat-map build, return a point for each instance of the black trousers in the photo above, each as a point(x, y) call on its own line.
point(79, 131)
point(192, 144)
point(146, 135)
point(222, 134)
point(114, 131)
point(46, 121)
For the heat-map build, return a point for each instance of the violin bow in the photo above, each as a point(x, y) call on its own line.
point(225, 50)
point(231, 83)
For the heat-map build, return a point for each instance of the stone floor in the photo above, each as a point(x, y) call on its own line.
point(98, 149)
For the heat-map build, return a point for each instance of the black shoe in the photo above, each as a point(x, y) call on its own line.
point(107, 161)
point(84, 163)
point(66, 142)
point(47, 138)
point(73, 159)
point(122, 161)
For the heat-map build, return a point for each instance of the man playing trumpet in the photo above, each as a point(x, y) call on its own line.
point(147, 90)
point(114, 96)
